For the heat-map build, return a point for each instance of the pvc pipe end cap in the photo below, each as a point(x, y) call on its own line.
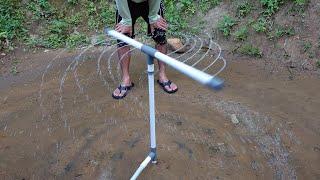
point(216, 83)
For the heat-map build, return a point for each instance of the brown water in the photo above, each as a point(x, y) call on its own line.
point(62, 123)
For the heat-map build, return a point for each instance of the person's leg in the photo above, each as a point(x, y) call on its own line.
point(162, 69)
point(159, 36)
point(124, 60)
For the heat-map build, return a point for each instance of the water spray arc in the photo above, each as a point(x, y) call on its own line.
point(151, 53)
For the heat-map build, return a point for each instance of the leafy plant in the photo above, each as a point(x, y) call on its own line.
point(260, 25)
point(74, 19)
point(271, 6)
point(205, 5)
point(41, 9)
point(225, 25)
point(318, 64)
point(243, 9)
point(282, 31)
point(53, 41)
point(72, 2)
point(306, 46)
point(11, 22)
point(76, 39)
point(301, 2)
point(250, 50)
point(241, 34)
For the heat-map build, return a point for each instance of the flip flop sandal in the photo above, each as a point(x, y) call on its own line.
point(123, 88)
point(164, 84)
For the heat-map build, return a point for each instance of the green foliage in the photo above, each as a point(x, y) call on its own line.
point(205, 5)
point(298, 7)
point(33, 41)
point(260, 25)
point(318, 63)
point(58, 27)
point(250, 50)
point(282, 31)
point(306, 46)
point(11, 22)
point(178, 12)
point(41, 9)
point(271, 6)
point(107, 13)
point(301, 2)
point(241, 34)
point(243, 9)
point(225, 25)
point(76, 39)
point(73, 2)
point(75, 19)
point(53, 41)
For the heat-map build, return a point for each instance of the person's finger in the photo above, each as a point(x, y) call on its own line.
point(163, 20)
point(118, 29)
point(163, 26)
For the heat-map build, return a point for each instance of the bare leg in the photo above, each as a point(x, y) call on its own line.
point(162, 68)
point(124, 64)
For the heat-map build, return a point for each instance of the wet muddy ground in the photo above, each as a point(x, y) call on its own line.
point(59, 121)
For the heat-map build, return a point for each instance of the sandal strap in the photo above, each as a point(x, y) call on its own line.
point(168, 83)
point(125, 88)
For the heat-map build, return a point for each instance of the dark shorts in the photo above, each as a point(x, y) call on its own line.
point(142, 10)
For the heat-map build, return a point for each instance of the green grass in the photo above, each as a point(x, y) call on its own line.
point(250, 50)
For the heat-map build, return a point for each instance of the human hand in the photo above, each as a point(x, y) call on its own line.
point(123, 29)
point(159, 24)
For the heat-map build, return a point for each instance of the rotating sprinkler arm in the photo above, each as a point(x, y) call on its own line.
point(195, 74)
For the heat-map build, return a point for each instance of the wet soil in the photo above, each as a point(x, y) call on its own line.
point(59, 121)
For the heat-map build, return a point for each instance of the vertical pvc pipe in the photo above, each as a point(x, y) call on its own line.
point(153, 144)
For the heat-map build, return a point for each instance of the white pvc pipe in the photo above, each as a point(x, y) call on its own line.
point(141, 168)
point(151, 105)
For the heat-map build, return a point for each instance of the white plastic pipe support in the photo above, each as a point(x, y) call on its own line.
point(142, 166)
point(153, 144)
